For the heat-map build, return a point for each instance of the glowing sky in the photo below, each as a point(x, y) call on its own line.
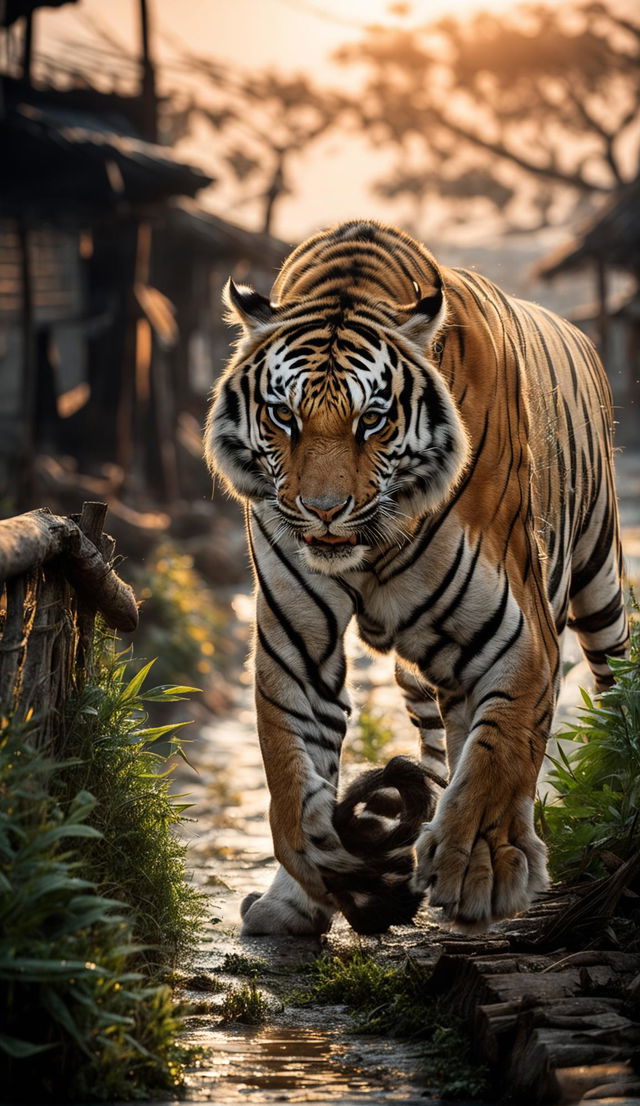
point(331, 182)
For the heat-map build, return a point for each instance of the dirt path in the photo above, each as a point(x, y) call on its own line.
point(297, 1055)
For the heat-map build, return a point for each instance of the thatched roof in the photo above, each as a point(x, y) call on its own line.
point(227, 241)
point(58, 160)
point(16, 9)
point(612, 236)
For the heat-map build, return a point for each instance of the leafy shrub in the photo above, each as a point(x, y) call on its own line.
point(77, 1021)
point(597, 783)
point(94, 905)
point(138, 858)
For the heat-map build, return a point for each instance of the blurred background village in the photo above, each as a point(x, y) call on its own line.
point(150, 149)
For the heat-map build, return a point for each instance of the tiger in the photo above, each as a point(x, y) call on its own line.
point(424, 454)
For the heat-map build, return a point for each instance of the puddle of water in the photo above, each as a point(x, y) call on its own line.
point(297, 1064)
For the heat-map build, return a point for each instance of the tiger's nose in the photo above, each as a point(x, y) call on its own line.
point(326, 507)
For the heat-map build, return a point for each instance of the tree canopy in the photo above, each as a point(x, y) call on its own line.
point(535, 112)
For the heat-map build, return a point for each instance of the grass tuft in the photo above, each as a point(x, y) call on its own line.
point(236, 964)
point(244, 1004)
point(594, 813)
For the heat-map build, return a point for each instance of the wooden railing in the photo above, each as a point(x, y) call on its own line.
point(55, 574)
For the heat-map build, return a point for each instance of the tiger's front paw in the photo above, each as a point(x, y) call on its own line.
point(479, 873)
point(284, 910)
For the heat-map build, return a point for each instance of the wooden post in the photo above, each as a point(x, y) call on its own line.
point(165, 427)
point(57, 574)
point(91, 523)
point(126, 429)
point(29, 368)
point(148, 90)
point(603, 317)
point(13, 642)
point(27, 47)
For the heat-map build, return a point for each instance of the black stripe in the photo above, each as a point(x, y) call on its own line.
point(332, 624)
point(422, 608)
point(482, 636)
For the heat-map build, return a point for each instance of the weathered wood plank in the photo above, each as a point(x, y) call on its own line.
point(597, 1081)
point(539, 1051)
point(533, 1015)
point(33, 539)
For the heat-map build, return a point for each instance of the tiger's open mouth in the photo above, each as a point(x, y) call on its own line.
point(330, 539)
point(333, 553)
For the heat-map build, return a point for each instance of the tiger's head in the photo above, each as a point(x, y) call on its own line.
point(334, 411)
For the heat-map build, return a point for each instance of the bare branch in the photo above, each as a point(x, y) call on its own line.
point(549, 171)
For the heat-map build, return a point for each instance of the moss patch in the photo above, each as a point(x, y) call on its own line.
point(390, 1001)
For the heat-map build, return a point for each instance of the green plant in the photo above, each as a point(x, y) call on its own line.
point(597, 783)
point(138, 859)
point(373, 736)
point(244, 1004)
point(77, 1021)
point(355, 979)
point(396, 1002)
point(180, 623)
point(236, 964)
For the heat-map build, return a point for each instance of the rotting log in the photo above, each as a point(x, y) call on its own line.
point(31, 540)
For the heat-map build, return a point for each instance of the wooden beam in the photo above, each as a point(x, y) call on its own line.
point(29, 366)
point(31, 540)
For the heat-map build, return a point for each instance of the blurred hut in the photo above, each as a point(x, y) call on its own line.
point(193, 254)
point(608, 246)
point(109, 286)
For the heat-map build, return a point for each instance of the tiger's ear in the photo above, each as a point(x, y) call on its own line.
point(246, 306)
point(422, 321)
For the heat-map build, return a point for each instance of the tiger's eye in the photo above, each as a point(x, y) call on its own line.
point(371, 418)
point(285, 414)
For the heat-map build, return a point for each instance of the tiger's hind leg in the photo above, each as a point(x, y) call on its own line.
point(286, 909)
point(597, 608)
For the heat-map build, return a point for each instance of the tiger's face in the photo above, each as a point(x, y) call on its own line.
point(337, 417)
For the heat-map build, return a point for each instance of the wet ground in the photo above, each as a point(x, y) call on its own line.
point(306, 1054)
point(299, 1054)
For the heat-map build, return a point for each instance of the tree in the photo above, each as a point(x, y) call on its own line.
point(536, 112)
point(263, 122)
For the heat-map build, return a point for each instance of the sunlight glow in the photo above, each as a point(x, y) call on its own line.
point(405, 13)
